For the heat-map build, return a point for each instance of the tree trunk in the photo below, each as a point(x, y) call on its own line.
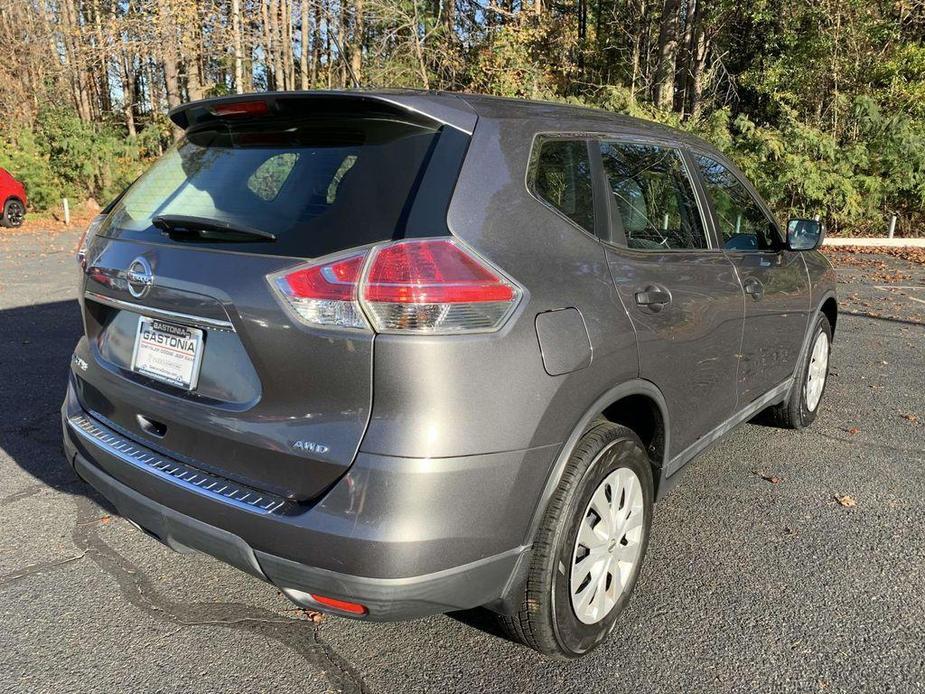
point(663, 88)
point(700, 48)
point(275, 49)
point(267, 46)
point(287, 44)
point(238, 46)
point(102, 67)
point(343, 21)
point(316, 44)
point(168, 33)
point(193, 50)
point(328, 56)
point(356, 50)
point(303, 47)
point(686, 57)
point(79, 77)
point(128, 94)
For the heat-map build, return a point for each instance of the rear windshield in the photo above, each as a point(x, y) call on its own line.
point(319, 185)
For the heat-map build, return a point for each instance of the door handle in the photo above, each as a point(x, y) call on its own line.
point(754, 288)
point(653, 298)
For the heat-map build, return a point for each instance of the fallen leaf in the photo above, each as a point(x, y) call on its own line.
point(911, 417)
point(105, 520)
point(853, 431)
point(313, 616)
point(773, 479)
point(846, 501)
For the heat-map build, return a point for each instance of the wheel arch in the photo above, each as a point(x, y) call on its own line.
point(636, 404)
point(829, 308)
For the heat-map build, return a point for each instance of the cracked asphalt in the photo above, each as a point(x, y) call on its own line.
point(757, 577)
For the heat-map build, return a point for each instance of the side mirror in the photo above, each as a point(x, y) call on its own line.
point(804, 234)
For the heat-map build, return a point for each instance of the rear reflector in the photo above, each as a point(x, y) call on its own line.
point(434, 286)
point(351, 607)
point(241, 109)
point(430, 286)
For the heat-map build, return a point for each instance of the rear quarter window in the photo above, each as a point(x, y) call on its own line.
point(561, 176)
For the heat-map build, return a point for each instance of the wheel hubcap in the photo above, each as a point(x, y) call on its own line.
point(816, 373)
point(607, 547)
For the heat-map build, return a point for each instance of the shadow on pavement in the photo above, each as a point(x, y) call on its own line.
point(36, 343)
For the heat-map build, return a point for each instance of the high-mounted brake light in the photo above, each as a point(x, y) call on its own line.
point(241, 109)
point(430, 286)
point(434, 286)
point(325, 294)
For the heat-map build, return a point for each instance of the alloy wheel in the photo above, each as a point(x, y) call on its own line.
point(15, 213)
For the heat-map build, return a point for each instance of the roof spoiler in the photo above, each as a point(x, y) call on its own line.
point(424, 107)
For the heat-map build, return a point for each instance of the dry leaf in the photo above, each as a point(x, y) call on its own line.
point(773, 479)
point(846, 501)
point(911, 417)
point(313, 616)
point(853, 430)
point(105, 520)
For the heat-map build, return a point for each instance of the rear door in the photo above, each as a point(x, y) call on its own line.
point(281, 394)
point(683, 295)
point(774, 279)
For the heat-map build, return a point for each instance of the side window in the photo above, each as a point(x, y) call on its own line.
point(743, 225)
point(562, 177)
point(653, 200)
point(270, 176)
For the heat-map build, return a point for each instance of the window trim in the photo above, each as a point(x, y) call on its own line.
point(699, 201)
point(539, 139)
point(693, 152)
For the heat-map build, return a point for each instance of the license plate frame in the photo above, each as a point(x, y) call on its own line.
point(168, 352)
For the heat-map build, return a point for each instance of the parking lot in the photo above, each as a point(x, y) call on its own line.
point(784, 562)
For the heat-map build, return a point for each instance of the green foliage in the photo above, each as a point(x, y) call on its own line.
point(66, 157)
point(22, 156)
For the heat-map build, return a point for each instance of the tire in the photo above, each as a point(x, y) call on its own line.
point(548, 619)
point(800, 408)
point(13, 213)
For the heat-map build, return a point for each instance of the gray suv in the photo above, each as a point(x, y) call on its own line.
point(404, 353)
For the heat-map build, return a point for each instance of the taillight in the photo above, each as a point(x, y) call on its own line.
point(325, 294)
point(430, 286)
point(434, 286)
point(87, 237)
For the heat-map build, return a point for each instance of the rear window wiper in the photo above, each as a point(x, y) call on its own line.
point(209, 229)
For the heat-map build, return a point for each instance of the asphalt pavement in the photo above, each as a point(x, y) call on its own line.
point(757, 579)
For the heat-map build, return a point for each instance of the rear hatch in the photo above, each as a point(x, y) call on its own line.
point(195, 351)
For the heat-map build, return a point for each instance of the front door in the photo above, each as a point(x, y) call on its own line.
point(773, 278)
point(683, 296)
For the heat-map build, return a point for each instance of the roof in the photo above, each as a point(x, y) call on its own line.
point(462, 109)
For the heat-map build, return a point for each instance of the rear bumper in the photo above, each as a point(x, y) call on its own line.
point(383, 536)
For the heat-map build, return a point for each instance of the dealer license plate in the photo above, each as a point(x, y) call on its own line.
point(168, 352)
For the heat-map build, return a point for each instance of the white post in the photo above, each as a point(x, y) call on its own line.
point(67, 213)
point(892, 225)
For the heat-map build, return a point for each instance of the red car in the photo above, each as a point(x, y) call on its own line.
point(13, 199)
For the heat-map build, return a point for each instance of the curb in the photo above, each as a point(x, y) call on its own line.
point(875, 242)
